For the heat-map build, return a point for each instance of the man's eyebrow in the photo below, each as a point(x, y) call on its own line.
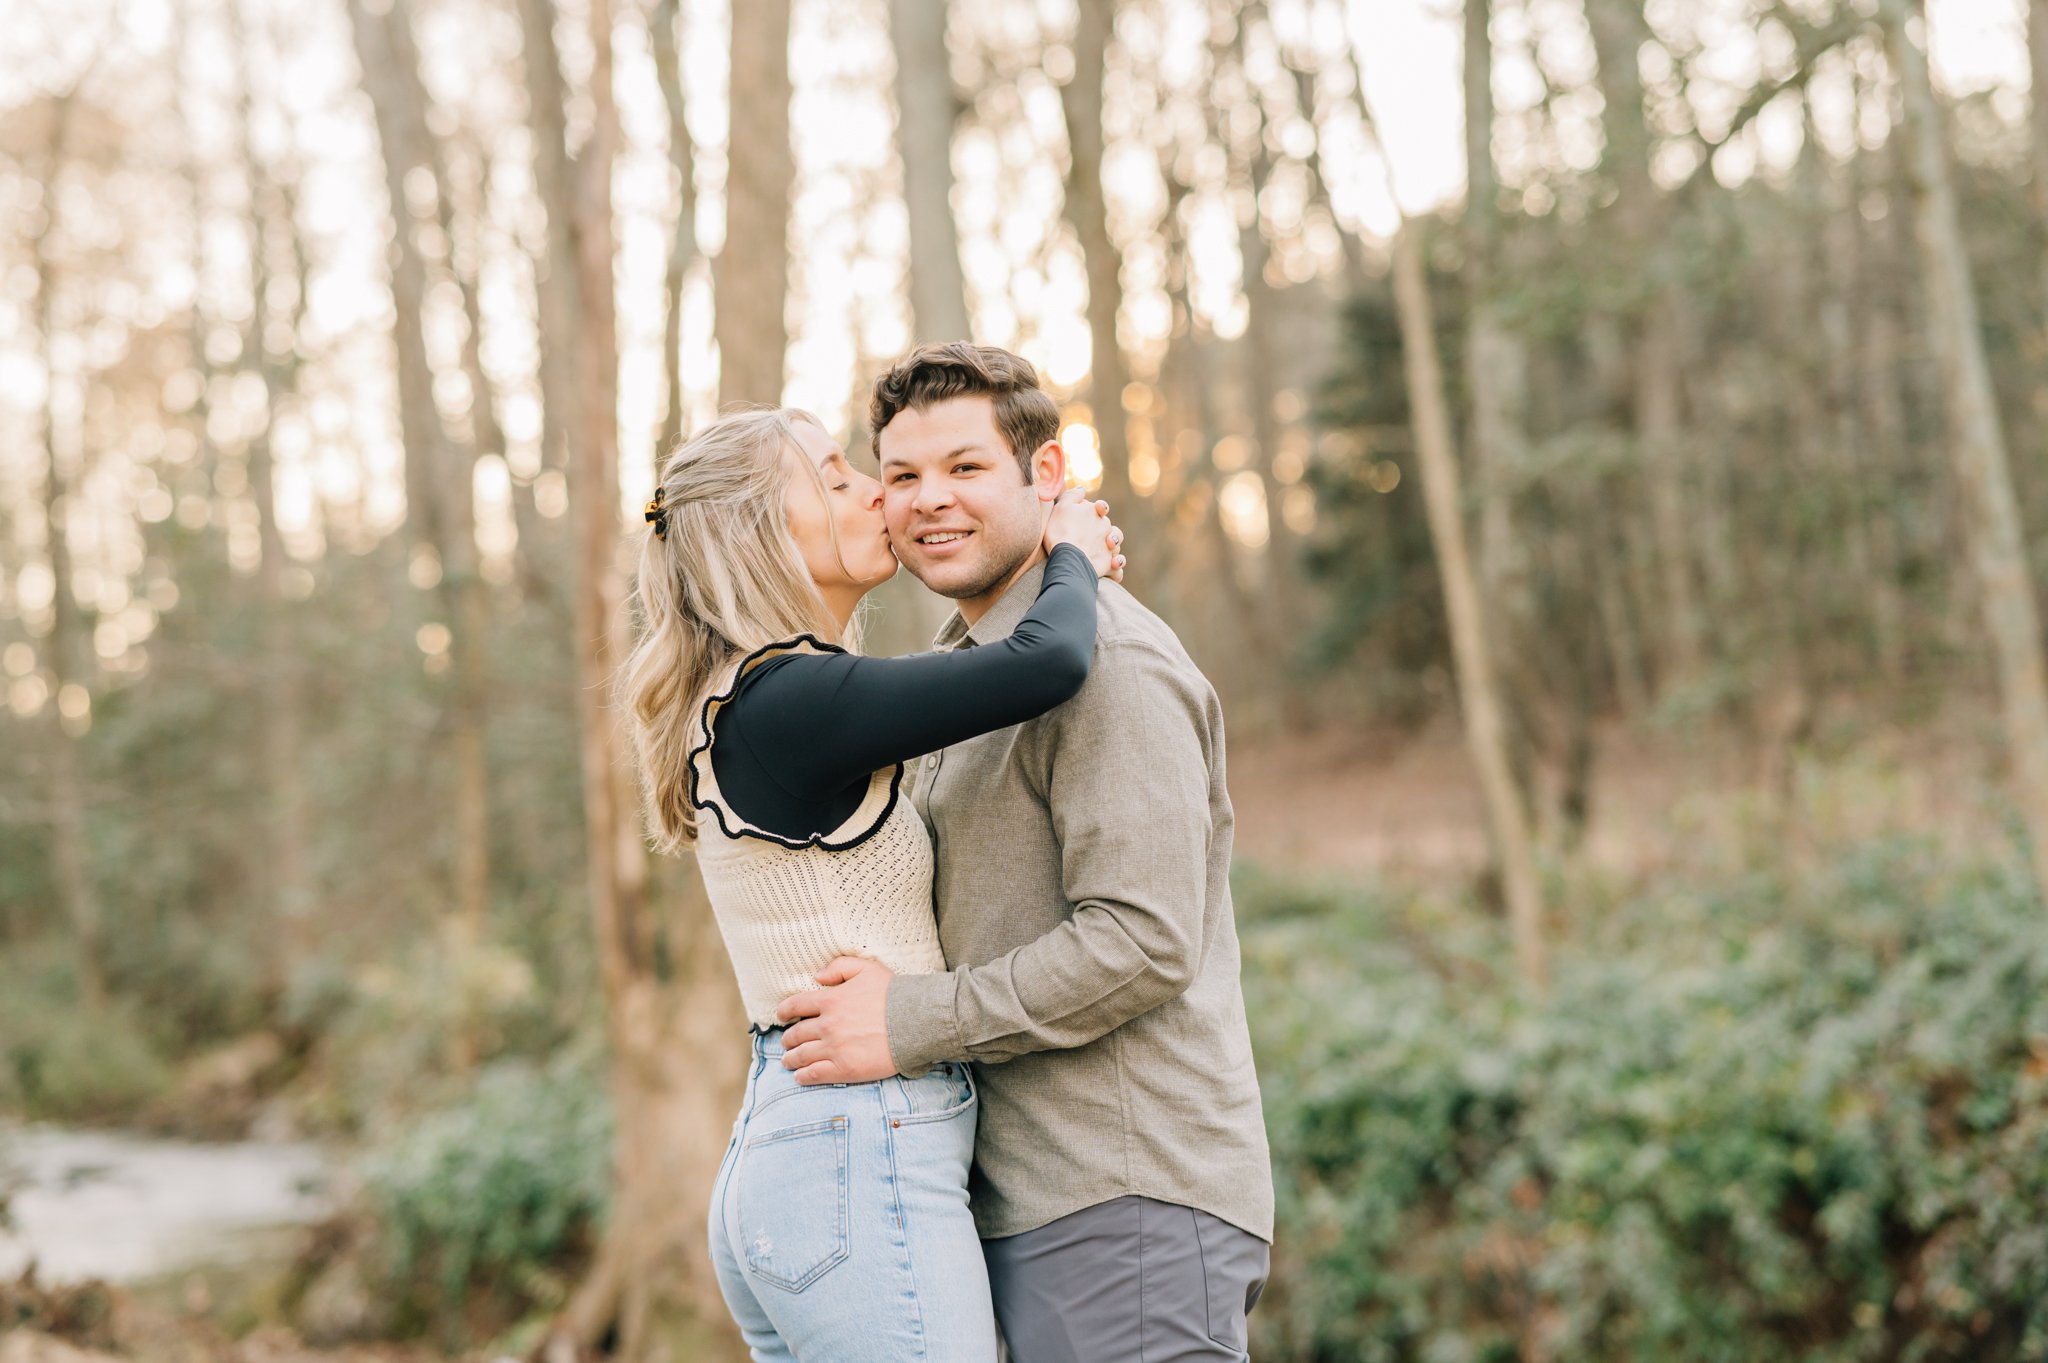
point(954, 453)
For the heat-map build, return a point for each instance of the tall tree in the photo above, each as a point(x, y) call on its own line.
point(65, 650)
point(1496, 363)
point(2037, 48)
point(555, 271)
point(1496, 382)
point(1472, 654)
point(1620, 32)
point(1087, 211)
point(752, 271)
point(1976, 438)
point(438, 473)
point(281, 701)
point(667, 40)
point(671, 1008)
point(927, 110)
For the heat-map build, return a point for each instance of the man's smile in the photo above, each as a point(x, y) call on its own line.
point(940, 540)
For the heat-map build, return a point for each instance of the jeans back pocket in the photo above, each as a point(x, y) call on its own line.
point(792, 1203)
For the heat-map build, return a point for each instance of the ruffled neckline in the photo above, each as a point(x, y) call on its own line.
point(884, 786)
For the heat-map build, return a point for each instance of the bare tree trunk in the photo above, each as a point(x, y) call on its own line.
point(1977, 441)
point(1608, 570)
point(1283, 546)
point(1471, 651)
point(671, 1011)
point(1087, 211)
point(926, 110)
point(1854, 448)
point(753, 267)
point(667, 40)
point(1496, 361)
point(1496, 377)
point(1485, 730)
point(2037, 48)
point(1660, 427)
point(1877, 327)
point(1319, 184)
point(281, 703)
point(555, 273)
point(436, 472)
point(1619, 32)
point(70, 848)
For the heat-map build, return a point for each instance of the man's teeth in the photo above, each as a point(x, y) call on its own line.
point(942, 537)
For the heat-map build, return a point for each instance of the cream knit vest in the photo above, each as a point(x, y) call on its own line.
point(787, 907)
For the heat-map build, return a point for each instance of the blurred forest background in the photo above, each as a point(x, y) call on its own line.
point(1598, 448)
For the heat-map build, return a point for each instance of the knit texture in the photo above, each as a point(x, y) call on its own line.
point(786, 907)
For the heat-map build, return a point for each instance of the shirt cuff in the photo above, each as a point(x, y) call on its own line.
point(922, 1028)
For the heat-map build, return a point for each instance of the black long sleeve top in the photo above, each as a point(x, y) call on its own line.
point(804, 732)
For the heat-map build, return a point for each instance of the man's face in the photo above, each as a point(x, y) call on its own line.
point(961, 514)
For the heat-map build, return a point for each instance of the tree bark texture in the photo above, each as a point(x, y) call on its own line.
point(555, 272)
point(1619, 33)
point(1496, 380)
point(671, 1009)
point(926, 111)
point(1087, 211)
point(752, 271)
point(70, 847)
point(437, 472)
point(666, 39)
point(1485, 727)
point(2037, 49)
point(281, 703)
point(1976, 441)
point(1496, 362)
point(1472, 660)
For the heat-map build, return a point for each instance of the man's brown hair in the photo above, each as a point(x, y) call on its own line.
point(1025, 413)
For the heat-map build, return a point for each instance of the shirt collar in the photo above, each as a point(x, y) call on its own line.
point(1000, 621)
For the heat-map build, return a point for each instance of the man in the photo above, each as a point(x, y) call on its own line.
point(1122, 1184)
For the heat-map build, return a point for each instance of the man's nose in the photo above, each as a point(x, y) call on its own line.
point(932, 495)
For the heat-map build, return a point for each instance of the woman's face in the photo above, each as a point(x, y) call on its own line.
point(852, 505)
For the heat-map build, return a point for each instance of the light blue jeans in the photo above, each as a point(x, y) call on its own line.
point(839, 1223)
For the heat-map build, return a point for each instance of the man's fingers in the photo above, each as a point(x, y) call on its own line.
point(805, 1005)
point(808, 1053)
point(810, 1029)
point(824, 1072)
point(842, 969)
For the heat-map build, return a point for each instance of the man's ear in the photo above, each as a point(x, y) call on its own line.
point(1049, 471)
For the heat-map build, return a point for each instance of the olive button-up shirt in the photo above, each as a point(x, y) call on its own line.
point(1083, 901)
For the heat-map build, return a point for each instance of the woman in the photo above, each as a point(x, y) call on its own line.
point(839, 1222)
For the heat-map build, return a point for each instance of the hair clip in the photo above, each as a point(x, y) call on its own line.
point(656, 514)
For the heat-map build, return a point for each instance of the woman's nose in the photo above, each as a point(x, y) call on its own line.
point(872, 490)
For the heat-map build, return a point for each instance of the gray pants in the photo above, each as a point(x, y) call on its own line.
point(1127, 1281)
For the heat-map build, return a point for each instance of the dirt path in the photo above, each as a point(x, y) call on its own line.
point(1353, 803)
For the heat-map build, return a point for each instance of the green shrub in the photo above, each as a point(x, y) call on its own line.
point(61, 1062)
point(1763, 1121)
point(483, 1205)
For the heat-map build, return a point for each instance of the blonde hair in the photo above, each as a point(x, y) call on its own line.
point(726, 579)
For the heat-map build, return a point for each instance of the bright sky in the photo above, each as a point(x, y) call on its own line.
point(338, 451)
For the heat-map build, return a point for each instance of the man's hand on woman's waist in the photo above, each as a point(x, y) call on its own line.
point(839, 1034)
